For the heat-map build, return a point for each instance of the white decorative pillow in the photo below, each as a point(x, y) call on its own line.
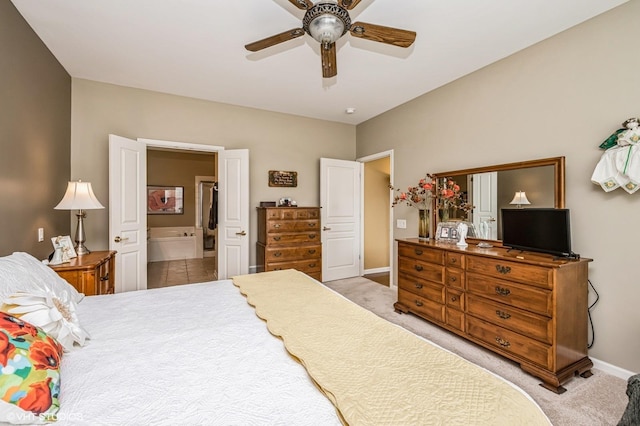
point(55, 316)
point(21, 272)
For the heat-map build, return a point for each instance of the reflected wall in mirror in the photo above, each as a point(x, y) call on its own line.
point(492, 188)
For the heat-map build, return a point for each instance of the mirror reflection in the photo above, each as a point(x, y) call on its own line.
point(537, 183)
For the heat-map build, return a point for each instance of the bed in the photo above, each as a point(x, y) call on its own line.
point(275, 348)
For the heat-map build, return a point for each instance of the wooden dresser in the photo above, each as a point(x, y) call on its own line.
point(289, 238)
point(91, 274)
point(527, 307)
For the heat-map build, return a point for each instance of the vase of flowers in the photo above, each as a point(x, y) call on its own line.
point(450, 198)
point(420, 197)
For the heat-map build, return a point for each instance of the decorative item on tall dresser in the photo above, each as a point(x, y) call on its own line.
point(289, 238)
point(529, 307)
point(619, 166)
point(519, 199)
point(79, 196)
point(420, 197)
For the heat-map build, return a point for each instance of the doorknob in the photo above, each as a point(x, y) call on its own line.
point(324, 228)
point(241, 233)
point(117, 239)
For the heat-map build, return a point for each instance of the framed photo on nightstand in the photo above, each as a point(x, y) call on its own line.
point(64, 243)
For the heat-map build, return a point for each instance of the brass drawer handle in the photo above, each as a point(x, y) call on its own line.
point(418, 303)
point(453, 260)
point(418, 285)
point(312, 236)
point(503, 315)
point(454, 298)
point(276, 238)
point(502, 342)
point(277, 254)
point(312, 251)
point(503, 269)
point(311, 225)
point(452, 279)
point(312, 265)
point(503, 291)
point(276, 225)
point(418, 252)
point(105, 278)
point(418, 268)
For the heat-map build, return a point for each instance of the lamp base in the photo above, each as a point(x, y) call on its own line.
point(81, 249)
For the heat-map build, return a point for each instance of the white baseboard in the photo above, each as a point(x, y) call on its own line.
point(612, 369)
point(376, 270)
point(253, 269)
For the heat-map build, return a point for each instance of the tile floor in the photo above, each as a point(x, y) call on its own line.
point(184, 271)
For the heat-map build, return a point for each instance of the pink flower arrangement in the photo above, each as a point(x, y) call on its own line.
point(421, 195)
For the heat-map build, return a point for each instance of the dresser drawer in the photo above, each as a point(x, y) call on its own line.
point(421, 269)
point(424, 254)
point(530, 274)
point(292, 238)
point(310, 265)
point(508, 341)
point(537, 326)
point(293, 225)
point(454, 278)
point(423, 288)
point(424, 307)
point(455, 319)
point(279, 254)
point(454, 298)
point(454, 260)
point(526, 297)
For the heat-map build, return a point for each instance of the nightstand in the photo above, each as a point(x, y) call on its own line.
point(91, 274)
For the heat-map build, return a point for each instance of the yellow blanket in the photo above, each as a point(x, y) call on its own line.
point(375, 372)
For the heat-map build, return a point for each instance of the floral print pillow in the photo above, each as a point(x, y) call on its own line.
point(29, 372)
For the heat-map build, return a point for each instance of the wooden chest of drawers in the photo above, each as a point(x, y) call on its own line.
point(91, 274)
point(289, 238)
point(527, 307)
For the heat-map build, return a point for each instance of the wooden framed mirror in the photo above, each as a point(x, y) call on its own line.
point(492, 188)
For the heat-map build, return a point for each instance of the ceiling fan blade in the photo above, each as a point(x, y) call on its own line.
point(302, 4)
point(388, 35)
point(329, 65)
point(348, 4)
point(273, 40)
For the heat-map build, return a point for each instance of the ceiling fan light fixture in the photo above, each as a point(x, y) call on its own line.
point(326, 22)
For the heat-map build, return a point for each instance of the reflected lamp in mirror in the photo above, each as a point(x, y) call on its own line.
point(519, 199)
point(79, 196)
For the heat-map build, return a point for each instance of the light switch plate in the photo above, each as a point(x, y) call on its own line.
point(40, 235)
point(401, 223)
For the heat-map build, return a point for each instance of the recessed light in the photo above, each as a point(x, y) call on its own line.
point(350, 110)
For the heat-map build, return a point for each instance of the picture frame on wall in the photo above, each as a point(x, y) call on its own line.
point(165, 199)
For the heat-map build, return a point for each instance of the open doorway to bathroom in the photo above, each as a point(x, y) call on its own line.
point(181, 248)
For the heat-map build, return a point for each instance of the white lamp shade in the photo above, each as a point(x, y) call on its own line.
point(520, 198)
point(79, 196)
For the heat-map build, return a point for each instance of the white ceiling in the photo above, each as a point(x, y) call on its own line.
point(195, 48)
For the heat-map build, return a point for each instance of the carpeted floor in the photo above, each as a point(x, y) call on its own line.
point(598, 400)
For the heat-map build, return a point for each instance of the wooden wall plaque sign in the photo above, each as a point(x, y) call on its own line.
point(283, 179)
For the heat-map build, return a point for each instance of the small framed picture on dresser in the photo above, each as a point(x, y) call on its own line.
point(63, 242)
point(447, 232)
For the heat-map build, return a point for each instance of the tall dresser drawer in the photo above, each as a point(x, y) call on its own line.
point(426, 289)
point(499, 268)
point(293, 225)
point(423, 306)
point(292, 238)
point(526, 297)
point(275, 254)
point(422, 269)
point(424, 254)
point(511, 342)
point(310, 265)
point(537, 326)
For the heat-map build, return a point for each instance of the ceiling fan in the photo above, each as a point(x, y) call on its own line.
point(326, 22)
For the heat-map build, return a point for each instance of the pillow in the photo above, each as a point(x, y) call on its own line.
point(55, 316)
point(29, 372)
point(23, 272)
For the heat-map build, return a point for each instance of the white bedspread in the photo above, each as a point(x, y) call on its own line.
point(186, 355)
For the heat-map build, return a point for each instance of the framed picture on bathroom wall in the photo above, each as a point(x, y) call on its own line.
point(165, 199)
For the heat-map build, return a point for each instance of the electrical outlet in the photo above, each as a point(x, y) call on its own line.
point(401, 224)
point(40, 235)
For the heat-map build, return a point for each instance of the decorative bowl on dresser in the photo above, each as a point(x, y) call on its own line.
point(91, 274)
point(289, 238)
point(528, 307)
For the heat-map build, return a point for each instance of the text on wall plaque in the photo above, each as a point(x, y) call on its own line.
point(283, 179)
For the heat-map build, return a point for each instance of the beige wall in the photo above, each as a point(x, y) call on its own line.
point(169, 168)
point(275, 141)
point(376, 213)
point(561, 97)
point(35, 129)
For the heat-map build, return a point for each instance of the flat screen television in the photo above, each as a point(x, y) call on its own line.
point(543, 230)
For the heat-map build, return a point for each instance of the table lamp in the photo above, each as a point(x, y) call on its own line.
point(79, 196)
point(519, 199)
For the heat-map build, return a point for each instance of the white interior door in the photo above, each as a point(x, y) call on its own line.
point(485, 202)
point(128, 212)
point(233, 213)
point(340, 218)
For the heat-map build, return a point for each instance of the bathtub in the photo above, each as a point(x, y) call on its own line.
point(171, 243)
